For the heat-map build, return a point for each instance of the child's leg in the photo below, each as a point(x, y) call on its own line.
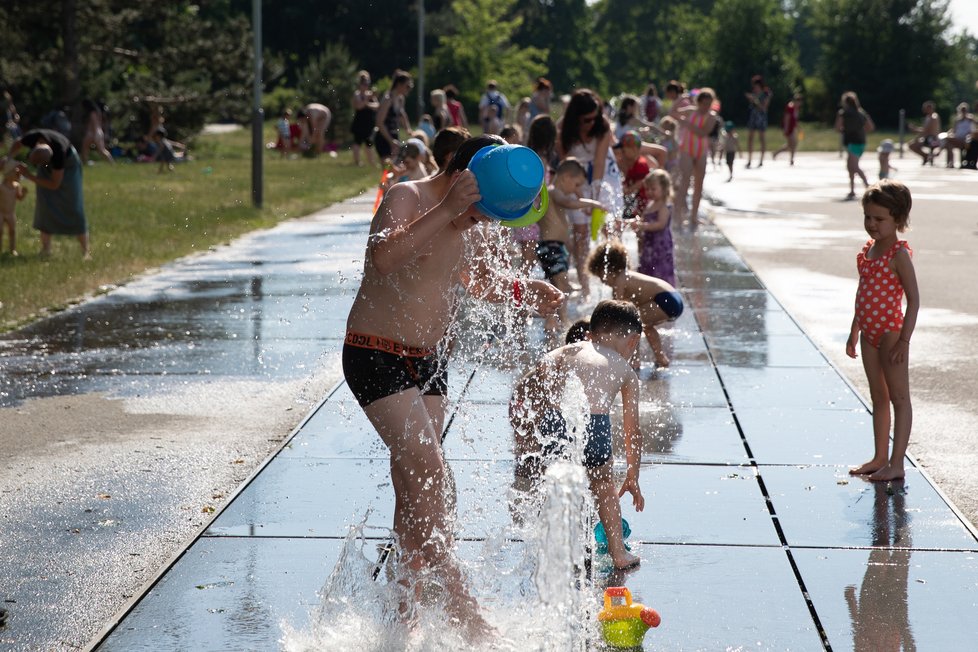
point(652, 315)
point(582, 240)
point(762, 133)
point(750, 146)
point(424, 508)
point(880, 397)
point(609, 511)
point(897, 377)
point(10, 222)
point(682, 188)
point(699, 173)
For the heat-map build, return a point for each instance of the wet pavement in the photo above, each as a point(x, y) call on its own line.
point(754, 535)
point(796, 232)
point(127, 420)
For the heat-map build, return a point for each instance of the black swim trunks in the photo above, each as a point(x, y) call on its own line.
point(553, 257)
point(376, 367)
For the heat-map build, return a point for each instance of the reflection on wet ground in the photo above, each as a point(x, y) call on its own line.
point(255, 314)
point(755, 536)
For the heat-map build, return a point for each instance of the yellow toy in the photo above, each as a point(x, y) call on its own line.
point(623, 623)
point(597, 222)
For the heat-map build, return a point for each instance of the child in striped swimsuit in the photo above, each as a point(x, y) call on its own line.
point(697, 122)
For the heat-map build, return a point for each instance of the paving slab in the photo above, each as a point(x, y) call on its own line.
point(754, 536)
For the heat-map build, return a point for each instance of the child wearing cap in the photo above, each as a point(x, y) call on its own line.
point(636, 166)
point(884, 151)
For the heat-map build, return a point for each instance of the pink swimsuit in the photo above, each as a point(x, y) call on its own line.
point(879, 299)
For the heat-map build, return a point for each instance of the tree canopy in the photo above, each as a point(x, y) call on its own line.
point(194, 58)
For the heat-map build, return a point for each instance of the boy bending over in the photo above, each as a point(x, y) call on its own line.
point(657, 301)
point(602, 367)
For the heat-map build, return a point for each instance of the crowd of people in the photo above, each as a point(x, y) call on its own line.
point(609, 170)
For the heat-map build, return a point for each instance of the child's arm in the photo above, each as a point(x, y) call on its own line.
point(21, 191)
point(853, 338)
point(908, 277)
point(484, 282)
point(572, 201)
point(402, 232)
point(633, 441)
point(658, 223)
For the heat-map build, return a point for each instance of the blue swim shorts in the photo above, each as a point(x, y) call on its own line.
point(597, 445)
point(671, 304)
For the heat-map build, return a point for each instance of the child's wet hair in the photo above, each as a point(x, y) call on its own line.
point(579, 331)
point(616, 317)
point(894, 197)
point(446, 142)
point(609, 257)
point(467, 150)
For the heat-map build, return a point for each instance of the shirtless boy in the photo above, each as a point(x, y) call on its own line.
point(565, 196)
point(657, 301)
point(555, 232)
point(928, 133)
point(394, 354)
point(602, 366)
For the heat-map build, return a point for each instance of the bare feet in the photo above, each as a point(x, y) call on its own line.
point(661, 359)
point(887, 473)
point(625, 560)
point(871, 466)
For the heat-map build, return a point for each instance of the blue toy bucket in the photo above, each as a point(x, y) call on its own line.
point(510, 177)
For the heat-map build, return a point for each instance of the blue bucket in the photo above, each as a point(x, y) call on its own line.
point(510, 177)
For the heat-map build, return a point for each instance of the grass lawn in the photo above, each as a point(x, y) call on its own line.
point(140, 219)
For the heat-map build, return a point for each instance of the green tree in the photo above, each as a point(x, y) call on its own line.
point(755, 38)
point(481, 47)
point(191, 58)
point(893, 53)
point(565, 29)
point(653, 41)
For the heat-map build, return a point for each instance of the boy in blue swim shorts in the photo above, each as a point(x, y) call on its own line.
point(658, 302)
point(601, 365)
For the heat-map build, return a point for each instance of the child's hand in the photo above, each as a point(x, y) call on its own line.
point(900, 351)
point(631, 486)
point(851, 345)
point(543, 296)
point(463, 193)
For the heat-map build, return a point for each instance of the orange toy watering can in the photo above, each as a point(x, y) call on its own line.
point(624, 623)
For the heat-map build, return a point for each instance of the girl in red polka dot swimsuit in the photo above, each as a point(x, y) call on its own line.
point(882, 328)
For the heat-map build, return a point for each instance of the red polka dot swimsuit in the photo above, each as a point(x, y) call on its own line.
point(879, 300)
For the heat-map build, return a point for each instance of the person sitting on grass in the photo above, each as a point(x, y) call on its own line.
point(601, 365)
point(657, 301)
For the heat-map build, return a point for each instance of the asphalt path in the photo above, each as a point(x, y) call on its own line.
point(794, 227)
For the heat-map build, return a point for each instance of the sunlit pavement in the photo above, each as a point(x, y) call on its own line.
point(754, 535)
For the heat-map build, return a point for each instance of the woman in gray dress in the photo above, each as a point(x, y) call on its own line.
point(59, 208)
